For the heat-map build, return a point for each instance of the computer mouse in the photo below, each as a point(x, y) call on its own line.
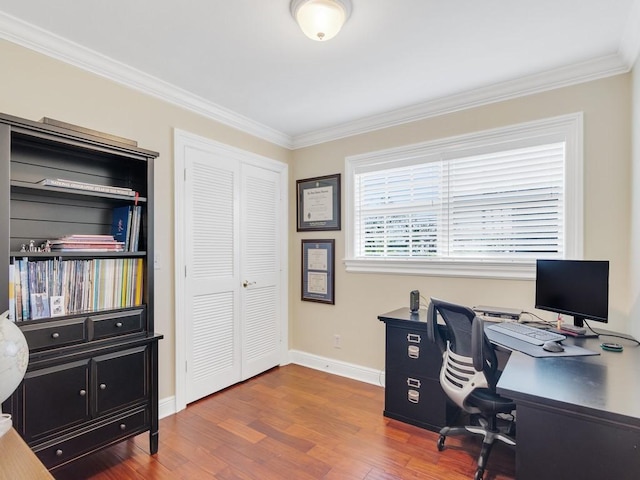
point(553, 347)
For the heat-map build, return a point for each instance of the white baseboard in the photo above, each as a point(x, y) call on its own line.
point(337, 367)
point(167, 406)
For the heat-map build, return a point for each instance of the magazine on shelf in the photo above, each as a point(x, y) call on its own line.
point(91, 187)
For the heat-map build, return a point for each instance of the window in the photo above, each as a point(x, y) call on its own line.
point(485, 204)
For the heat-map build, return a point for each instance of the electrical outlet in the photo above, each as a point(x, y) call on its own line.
point(336, 341)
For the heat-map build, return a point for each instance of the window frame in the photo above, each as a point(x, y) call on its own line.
point(567, 128)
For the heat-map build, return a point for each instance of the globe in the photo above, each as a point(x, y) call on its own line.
point(14, 357)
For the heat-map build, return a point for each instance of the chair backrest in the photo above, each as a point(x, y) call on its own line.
point(469, 361)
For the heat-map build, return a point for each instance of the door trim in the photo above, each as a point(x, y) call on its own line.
point(182, 140)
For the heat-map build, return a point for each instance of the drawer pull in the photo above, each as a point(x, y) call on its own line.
point(83, 393)
point(413, 338)
point(58, 453)
point(119, 325)
point(413, 382)
point(413, 351)
point(413, 396)
point(103, 386)
point(123, 427)
point(55, 335)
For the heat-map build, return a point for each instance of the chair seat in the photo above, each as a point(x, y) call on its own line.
point(489, 402)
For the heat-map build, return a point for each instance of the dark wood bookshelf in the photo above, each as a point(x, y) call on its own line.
point(92, 378)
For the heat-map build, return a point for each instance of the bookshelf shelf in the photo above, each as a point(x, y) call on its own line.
point(105, 333)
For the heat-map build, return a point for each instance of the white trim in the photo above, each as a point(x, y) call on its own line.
point(541, 82)
point(569, 126)
point(47, 43)
point(182, 139)
point(337, 367)
point(35, 38)
point(515, 270)
point(166, 407)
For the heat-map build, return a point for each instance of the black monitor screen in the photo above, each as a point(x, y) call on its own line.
point(574, 287)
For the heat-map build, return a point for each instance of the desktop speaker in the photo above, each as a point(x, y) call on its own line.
point(414, 301)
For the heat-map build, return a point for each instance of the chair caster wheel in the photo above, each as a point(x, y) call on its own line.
point(478, 474)
point(441, 443)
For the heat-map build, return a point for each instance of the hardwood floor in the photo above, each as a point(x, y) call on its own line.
point(291, 423)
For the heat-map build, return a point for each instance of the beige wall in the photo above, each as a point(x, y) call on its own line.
point(635, 205)
point(34, 86)
point(361, 297)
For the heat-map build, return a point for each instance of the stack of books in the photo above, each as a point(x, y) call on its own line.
point(87, 243)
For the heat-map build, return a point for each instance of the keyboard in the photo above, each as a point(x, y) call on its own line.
point(532, 335)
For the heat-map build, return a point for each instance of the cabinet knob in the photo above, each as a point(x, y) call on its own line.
point(55, 335)
point(83, 393)
point(123, 426)
point(119, 325)
point(103, 386)
point(58, 453)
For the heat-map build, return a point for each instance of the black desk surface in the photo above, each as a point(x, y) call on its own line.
point(606, 385)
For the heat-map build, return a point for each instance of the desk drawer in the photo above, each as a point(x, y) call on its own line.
point(409, 350)
point(417, 400)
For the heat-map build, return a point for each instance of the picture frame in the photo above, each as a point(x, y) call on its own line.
point(318, 203)
point(318, 271)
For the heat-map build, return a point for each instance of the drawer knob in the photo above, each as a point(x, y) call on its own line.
point(55, 335)
point(58, 453)
point(103, 386)
point(123, 426)
point(83, 393)
point(413, 338)
point(413, 396)
point(119, 325)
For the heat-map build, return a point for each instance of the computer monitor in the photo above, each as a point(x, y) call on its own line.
point(574, 287)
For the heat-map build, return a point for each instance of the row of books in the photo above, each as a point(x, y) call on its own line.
point(90, 187)
point(86, 243)
point(54, 287)
point(126, 226)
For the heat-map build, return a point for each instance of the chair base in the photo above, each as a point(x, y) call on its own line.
point(490, 435)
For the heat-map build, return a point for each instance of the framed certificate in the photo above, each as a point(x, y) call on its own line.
point(318, 262)
point(318, 205)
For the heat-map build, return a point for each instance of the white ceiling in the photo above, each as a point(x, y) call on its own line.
point(245, 62)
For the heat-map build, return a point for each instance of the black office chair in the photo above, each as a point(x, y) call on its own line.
point(468, 376)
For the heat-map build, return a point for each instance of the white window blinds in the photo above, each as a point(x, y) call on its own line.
point(504, 204)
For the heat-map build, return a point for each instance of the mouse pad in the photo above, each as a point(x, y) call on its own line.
point(535, 350)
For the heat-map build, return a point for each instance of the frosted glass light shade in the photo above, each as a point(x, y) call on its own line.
point(321, 20)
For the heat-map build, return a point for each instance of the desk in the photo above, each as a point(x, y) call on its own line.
point(18, 461)
point(577, 417)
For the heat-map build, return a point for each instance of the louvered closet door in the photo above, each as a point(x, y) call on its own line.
point(260, 266)
point(212, 281)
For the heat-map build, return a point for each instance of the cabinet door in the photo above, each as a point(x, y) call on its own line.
point(55, 398)
point(120, 379)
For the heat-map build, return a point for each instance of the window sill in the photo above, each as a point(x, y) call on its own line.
point(510, 270)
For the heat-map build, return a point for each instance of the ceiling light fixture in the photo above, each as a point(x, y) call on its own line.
point(321, 19)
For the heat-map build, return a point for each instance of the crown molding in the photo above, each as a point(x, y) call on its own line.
point(561, 77)
point(34, 38)
point(42, 41)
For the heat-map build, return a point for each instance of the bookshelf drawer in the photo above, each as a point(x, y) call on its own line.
point(61, 452)
point(54, 334)
point(117, 323)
